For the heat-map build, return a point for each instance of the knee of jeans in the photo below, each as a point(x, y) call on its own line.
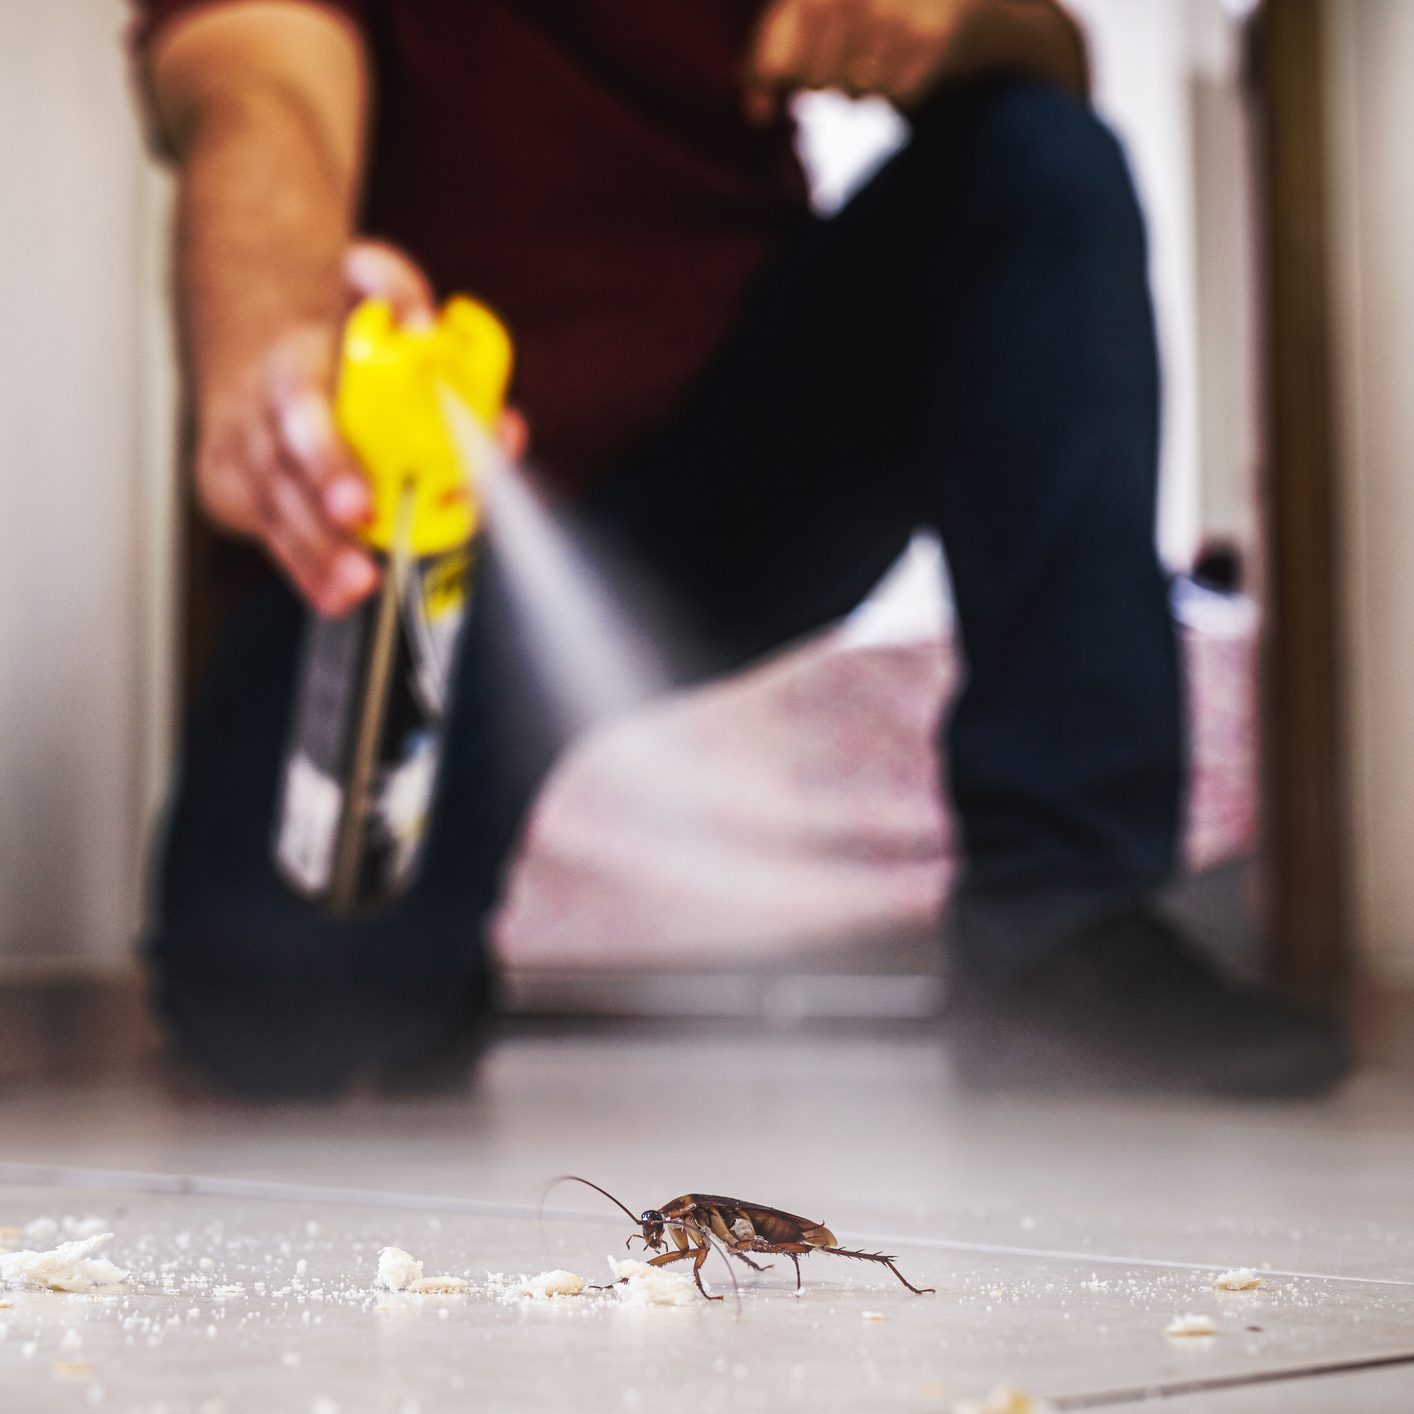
point(1047, 156)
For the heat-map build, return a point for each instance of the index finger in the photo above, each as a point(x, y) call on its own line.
point(374, 268)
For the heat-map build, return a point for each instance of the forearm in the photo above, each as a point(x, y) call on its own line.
point(265, 216)
point(1032, 38)
point(264, 106)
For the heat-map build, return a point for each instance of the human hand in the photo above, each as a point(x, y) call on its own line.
point(900, 50)
point(270, 462)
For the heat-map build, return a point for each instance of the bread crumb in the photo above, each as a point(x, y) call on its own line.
point(644, 1285)
point(871, 1315)
point(1004, 1399)
point(69, 1267)
point(1190, 1325)
point(1238, 1279)
point(434, 1286)
point(556, 1283)
point(397, 1270)
point(72, 1370)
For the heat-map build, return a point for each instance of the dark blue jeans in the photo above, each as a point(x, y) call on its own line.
point(967, 346)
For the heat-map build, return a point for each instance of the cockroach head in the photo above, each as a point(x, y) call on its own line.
point(651, 1222)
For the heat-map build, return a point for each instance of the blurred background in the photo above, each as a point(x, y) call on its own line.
point(1272, 156)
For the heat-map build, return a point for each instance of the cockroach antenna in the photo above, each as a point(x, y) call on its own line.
point(700, 1235)
point(575, 1178)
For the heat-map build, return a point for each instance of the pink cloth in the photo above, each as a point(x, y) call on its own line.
point(797, 808)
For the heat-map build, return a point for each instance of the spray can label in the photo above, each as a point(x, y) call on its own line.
point(330, 846)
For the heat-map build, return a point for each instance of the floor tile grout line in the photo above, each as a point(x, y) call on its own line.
point(259, 1190)
point(263, 1190)
point(1108, 1259)
point(1216, 1384)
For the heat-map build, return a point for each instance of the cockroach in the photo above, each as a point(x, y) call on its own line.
point(699, 1221)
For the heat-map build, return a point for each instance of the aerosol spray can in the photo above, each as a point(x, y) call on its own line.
point(374, 685)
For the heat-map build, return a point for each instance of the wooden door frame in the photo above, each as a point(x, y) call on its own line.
point(1304, 686)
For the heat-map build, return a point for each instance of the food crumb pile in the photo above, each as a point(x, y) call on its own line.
point(644, 1285)
point(1190, 1325)
point(1238, 1279)
point(397, 1270)
point(69, 1267)
point(635, 1283)
point(439, 1286)
point(556, 1283)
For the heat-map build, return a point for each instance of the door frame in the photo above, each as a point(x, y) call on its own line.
point(1304, 683)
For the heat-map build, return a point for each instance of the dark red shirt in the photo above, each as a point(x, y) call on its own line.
point(584, 166)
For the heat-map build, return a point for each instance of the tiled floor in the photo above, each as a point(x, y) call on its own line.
point(1062, 1239)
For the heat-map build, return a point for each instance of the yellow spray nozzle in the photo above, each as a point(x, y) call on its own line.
point(389, 411)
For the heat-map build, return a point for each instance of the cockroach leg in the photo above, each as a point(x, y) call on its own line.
point(793, 1250)
point(755, 1266)
point(685, 1233)
point(664, 1258)
point(885, 1261)
point(698, 1255)
point(697, 1273)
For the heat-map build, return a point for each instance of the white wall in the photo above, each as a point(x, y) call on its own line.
point(84, 563)
point(1372, 165)
point(1140, 54)
point(1227, 279)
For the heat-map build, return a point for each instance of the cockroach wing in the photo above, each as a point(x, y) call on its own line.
point(772, 1225)
point(786, 1227)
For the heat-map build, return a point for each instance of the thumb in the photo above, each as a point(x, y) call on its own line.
point(376, 270)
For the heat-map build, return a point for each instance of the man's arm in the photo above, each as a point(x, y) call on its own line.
point(903, 49)
point(264, 105)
